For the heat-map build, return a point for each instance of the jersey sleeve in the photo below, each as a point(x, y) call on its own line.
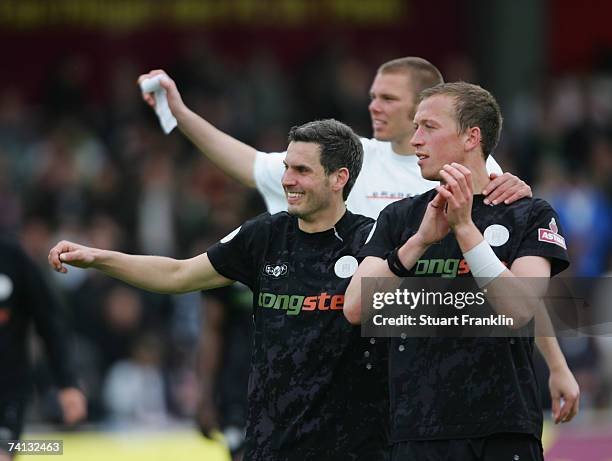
point(268, 172)
point(493, 166)
point(544, 237)
point(235, 256)
point(385, 234)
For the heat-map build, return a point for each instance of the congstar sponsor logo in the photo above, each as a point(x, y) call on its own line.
point(448, 268)
point(294, 304)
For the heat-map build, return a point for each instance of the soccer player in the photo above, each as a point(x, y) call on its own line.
point(390, 172)
point(309, 365)
point(26, 300)
point(462, 398)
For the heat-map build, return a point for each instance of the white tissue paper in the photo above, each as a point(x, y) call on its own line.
point(166, 119)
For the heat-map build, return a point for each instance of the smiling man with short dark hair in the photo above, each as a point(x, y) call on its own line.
point(309, 365)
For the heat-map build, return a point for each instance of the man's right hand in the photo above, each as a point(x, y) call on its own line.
point(434, 225)
point(175, 102)
point(234, 157)
point(72, 254)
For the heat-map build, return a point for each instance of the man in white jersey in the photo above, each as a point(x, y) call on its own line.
point(389, 172)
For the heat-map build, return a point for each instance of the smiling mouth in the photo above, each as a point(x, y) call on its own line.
point(294, 195)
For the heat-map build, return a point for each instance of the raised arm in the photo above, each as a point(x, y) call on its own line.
point(234, 157)
point(433, 228)
point(152, 273)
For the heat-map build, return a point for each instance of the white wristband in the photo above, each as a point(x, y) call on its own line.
point(484, 263)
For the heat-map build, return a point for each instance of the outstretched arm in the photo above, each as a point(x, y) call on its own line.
point(152, 273)
point(234, 157)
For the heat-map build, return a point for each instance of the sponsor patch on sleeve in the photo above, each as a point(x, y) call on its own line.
point(550, 235)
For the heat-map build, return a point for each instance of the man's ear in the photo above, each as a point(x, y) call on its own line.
point(340, 178)
point(472, 139)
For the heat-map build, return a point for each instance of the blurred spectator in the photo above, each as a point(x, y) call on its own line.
point(134, 390)
point(586, 216)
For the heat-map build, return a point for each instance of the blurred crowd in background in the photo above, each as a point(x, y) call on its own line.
point(103, 173)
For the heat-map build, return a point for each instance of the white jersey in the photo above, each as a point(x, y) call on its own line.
point(385, 177)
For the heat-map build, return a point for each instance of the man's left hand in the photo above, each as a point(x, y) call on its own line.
point(506, 188)
point(563, 385)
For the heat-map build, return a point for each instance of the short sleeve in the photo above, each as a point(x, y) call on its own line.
point(268, 172)
point(544, 237)
point(235, 256)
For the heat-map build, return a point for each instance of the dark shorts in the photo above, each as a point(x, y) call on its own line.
point(506, 447)
point(11, 420)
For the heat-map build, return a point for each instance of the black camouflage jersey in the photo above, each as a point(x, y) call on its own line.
point(449, 388)
point(317, 389)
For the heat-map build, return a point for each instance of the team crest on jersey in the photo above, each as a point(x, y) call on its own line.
point(496, 235)
point(346, 266)
point(275, 270)
point(551, 235)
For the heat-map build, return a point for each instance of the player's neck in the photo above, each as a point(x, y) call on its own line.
point(480, 177)
point(324, 219)
point(480, 180)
